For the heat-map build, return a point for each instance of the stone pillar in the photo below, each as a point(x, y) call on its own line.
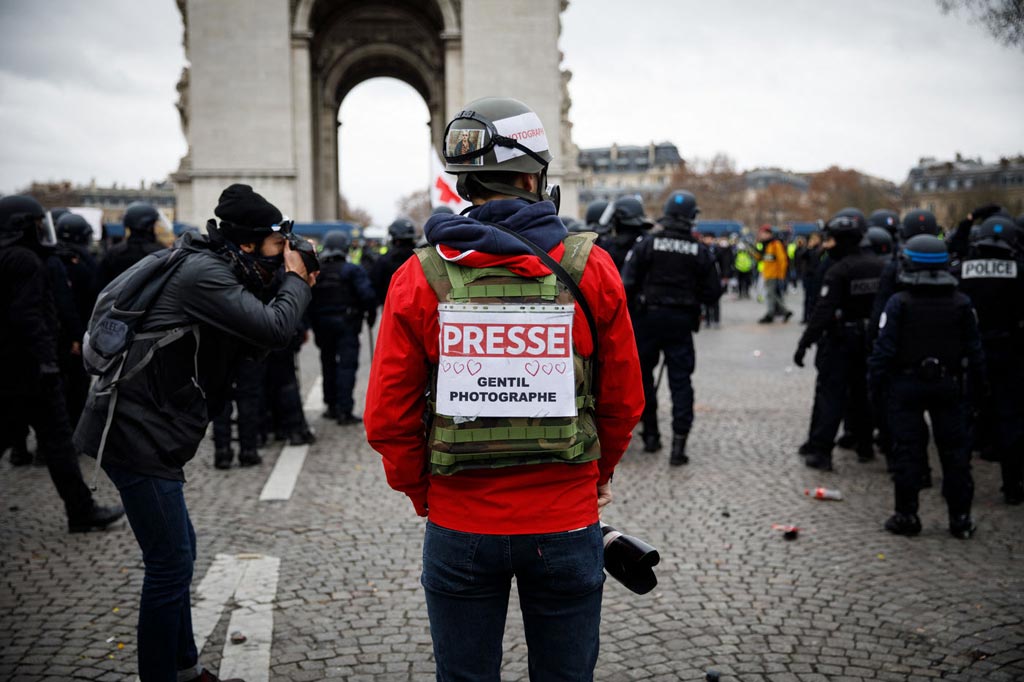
point(240, 103)
point(514, 53)
point(302, 115)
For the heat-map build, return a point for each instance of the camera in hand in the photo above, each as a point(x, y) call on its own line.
point(630, 560)
point(306, 250)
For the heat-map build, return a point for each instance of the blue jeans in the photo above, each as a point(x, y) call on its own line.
point(156, 511)
point(467, 578)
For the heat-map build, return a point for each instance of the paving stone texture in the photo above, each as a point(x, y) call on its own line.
point(845, 601)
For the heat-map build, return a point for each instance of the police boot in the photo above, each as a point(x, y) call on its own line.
point(847, 441)
point(249, 458)
point(222, 458)
point(652, 442)
point(97, 518)
point(903, 524)
point(349, 418)
point(961, 526)
point(330, 413)
point(302, 437)
point(767, 319)
point(806, 448)
point(820, 461)
point(678, 456)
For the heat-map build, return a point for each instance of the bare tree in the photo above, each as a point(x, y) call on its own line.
point(353, 214)
point(416, 207)
point(1004, 19)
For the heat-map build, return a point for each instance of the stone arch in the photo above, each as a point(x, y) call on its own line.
point(351, 41)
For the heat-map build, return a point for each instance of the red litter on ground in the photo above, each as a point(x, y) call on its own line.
point(823, 493)
point(788, 532)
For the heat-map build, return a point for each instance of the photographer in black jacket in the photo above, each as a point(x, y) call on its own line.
point(162, 412)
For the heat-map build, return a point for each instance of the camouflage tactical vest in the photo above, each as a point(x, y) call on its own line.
point(496, 442)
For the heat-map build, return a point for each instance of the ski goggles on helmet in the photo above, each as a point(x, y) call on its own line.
point(492, 139)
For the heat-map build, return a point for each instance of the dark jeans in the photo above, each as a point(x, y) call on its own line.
point(338, 341)
point(46, 413)
point(156, 511)
point(668, 331)
point(909, 399)
point(841, 391)
point(467, 578)
point(744, 280)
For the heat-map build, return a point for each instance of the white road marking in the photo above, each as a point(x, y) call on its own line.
point(254, 618)
point(285, 474)
point(218, 585)
point(281, 483)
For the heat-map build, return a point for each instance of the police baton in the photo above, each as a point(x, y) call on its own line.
point(661, 373)
point(369, 335)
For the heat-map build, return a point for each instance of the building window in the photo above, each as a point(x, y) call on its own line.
point(953, 183)
point(968, 183)
point(917, 186)
point(933, 185)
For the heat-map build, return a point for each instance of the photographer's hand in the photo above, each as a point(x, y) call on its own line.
point(293, 263)
point(604, 496)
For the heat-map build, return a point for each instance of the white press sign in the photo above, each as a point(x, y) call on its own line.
point(506, 361)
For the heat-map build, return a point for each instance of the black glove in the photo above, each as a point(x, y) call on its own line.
point(798, 356)
point(987, 211)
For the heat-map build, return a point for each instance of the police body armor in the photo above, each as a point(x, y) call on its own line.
point(492, 440)
point(671, 280)
point(335, 293)
point(930, 344)
point(994, 288)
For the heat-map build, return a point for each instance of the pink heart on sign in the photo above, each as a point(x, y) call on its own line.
point(458, 367)
point(474, 367)
point(560, 367)
point(446, 367)
point(532, 368)
point(546, 368)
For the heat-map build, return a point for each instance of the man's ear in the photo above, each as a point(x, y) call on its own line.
point(247, 248)
point(529, 182)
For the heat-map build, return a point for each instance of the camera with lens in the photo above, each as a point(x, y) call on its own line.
point(630, 560)
point(297, 243)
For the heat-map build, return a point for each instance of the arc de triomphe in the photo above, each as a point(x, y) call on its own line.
point(259, 100)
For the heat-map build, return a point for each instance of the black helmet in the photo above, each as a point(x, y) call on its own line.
point(57, 213)
point(681, 207)
point(18, 214)
point(402, 228)
point(845, 224)
point(595, 209)
point(574, 225)
point(996, 232)
point(878, 240)
point(629, 212)
point(336, 245)
point(74, 229)
point(885, 218)
point(442, 209)
point(918, 222)
point(140, 217)
point(925, 262)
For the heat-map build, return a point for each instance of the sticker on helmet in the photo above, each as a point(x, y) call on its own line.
point(461, 142)
point(526, 129)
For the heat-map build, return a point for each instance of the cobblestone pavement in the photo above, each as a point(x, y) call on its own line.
point(845, 601)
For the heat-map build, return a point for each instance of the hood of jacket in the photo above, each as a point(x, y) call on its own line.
point(471, 242)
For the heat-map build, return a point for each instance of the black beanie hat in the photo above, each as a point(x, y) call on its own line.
point(246, 211)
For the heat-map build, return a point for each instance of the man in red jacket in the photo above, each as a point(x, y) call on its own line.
point(527, 413)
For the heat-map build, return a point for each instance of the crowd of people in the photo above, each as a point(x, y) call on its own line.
point(515, 355)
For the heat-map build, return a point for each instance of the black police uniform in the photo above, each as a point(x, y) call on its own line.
point(140, 243)
point(668, 276)
point(992, 279)
point(31, 391)
point(838, 325)
point(81, 271)
point(618, 245)
point(387, 265)
point(926, 332)
point(342, 296)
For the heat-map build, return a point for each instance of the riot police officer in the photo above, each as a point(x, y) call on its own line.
point(668, 276)
point(927, 337)
point(75, 236)
point(403, 240)
point(31, 390)
point(886, 219)
point(878, 241)
point(629, 223)
point(991, 277)
point(342, 297)
point(838, 325)
point(140, 219)
point(594, 215)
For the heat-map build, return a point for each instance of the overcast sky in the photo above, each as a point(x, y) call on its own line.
point(87, 90)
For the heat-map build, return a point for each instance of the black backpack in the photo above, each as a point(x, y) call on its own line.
point(113, 328)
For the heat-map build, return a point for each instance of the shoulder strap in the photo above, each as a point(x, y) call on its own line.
point(563, 276)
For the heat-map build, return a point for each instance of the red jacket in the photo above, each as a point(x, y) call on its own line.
point(542, 498)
